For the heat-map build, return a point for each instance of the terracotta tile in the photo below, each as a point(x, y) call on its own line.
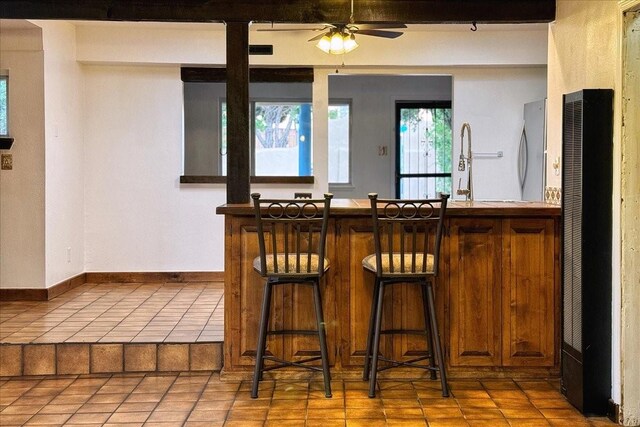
point(470, 394)
point(69, 399)
point(143, 397)
point(106, 358)
point(39, 359)
point(454, 422)
point(34, 400)
point(513, 403)
point(443, 402)
point(551, 403)
point(488, 423)
point(99, 418)
point(216, 405)
point(507, 394)
point(140, 357)
point(333, 414)
point(521, 413)
point(574, 423)
point(60, 409)
point(108, 398)
point(530, 422)
point(535, 385)
point(206, 357)
point(416, 422)
point(173, 357)
point(284, 423)
point(544, 394)
point(57, 419)
point(210, 416)
point(481, 413)
point(181, 397)
point(11, 358)
point(291, 404)
point(175, 406)
point(366, 422)
point(561, 413)
point(369, 413)
point(137, 407)
point(323, 423)
point(245, 423)
point(22, 409)
point(286, 414)
point(465, 385)
point(403, 412)
point(499, 384)
point(17, 419)
point(401, 403)
point(72, 359)
point(128, 417)
point(398, 394)
point(98, 407)
point(430, 393)
point(436, 413)
point(324, 404)
point(168, 416)
point(363, 403)
point(476, 403)
point(118, 389)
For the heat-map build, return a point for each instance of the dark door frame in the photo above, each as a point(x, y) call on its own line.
point(414, 104)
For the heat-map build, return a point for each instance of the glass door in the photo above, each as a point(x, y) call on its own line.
point(423, 149)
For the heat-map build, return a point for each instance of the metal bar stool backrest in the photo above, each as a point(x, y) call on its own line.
point(291, 236)
point(407, 235)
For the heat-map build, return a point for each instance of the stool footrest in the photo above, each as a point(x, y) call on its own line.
point(293, 332)
point(404, 331)
point(285, 363)
point(411, 363)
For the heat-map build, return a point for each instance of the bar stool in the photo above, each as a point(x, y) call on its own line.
point(407, 236)
point(291, 236)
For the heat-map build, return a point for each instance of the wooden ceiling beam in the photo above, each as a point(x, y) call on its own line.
point(286, 11)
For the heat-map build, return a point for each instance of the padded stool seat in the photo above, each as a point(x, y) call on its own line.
point(307, 264)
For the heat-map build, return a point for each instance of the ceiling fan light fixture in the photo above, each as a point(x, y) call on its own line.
point(350, 43)
point(337, 42)
point(324, 44)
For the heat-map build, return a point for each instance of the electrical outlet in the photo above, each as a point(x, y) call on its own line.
point(7, 162)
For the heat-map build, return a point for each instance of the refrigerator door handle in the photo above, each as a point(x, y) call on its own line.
point(522, 159)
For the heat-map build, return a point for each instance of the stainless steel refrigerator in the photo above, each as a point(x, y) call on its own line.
point(532, 150)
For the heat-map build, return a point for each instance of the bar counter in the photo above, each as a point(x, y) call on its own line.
point(497, 294)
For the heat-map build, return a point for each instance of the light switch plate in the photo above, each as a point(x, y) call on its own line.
point(7, 161)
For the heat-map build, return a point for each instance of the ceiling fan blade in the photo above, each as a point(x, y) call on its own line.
point(380, 33)
point(288, 29)
point(378, 26)
point(318, 37)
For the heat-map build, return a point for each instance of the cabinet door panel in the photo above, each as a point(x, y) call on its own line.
point(528, 292)
point(474, 292)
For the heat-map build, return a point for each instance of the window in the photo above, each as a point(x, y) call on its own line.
point(339, 143)
point(4, 110)
point(281, 133)
point(280, 141)
point(423, 149)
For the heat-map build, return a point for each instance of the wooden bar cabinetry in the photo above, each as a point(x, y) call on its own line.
point(497, 294)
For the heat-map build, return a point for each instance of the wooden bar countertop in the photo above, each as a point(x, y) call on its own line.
point(358, 207)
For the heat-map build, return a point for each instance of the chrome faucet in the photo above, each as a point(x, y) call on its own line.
point(467, 192)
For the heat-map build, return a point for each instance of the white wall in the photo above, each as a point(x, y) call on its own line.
point(22, 194)
point(137, 215)
point(64, 162)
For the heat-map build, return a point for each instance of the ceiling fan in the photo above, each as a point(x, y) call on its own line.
point(340, 38)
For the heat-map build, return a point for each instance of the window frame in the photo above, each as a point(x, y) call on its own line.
point(349, 184)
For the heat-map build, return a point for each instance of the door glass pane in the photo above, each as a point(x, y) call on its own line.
point(282, 139)
point(339, 144)
point(424, 149)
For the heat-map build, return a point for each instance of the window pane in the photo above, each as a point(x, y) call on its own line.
point(339, 144)
point(3, 106)
point(424, 187)
point(222, 167)
point(282, 140)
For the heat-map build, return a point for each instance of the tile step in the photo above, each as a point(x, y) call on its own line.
point(99, 358)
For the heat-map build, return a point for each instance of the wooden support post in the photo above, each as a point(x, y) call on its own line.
point(238, 114)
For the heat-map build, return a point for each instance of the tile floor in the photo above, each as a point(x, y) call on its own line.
point(117, 312)
point(203, 399)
